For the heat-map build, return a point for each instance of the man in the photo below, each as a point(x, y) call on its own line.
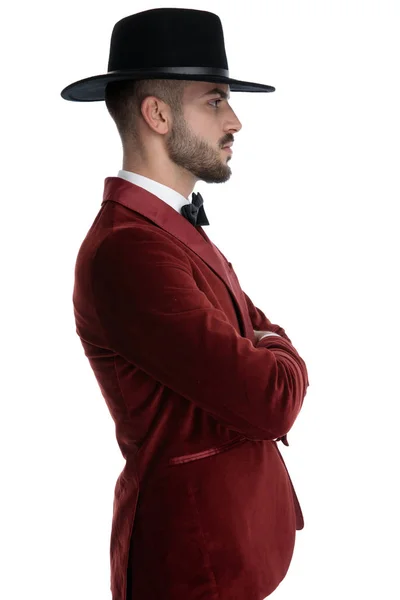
point(199, 382)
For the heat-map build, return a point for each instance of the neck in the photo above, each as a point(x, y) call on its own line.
point(176, 178)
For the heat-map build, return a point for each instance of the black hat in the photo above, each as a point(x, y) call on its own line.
point(164, 43)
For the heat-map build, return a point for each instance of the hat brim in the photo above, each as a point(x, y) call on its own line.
point(92, 89)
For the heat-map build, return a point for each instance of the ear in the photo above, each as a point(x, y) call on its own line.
point(156, 114)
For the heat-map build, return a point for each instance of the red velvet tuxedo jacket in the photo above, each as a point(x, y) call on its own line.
point(204, 508)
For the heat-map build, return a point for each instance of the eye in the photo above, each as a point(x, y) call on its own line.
point(215, 101)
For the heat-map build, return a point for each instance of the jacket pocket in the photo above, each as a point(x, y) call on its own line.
point(178, 460)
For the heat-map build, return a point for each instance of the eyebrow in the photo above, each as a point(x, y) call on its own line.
point(217, 91)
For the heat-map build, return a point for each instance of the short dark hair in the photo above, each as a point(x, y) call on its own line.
point(124, 100)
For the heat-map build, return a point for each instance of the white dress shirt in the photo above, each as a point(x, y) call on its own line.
point(170, 196)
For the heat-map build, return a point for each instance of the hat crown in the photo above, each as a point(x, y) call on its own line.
point(164, 43)
point(167, 37)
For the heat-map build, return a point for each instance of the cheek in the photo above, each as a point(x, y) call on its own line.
point(204, 125)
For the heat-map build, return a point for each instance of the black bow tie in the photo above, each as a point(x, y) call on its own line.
point(194, 212)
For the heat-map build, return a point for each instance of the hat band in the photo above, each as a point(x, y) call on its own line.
point(182, 71)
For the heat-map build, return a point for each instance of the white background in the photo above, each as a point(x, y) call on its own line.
point(313, 237)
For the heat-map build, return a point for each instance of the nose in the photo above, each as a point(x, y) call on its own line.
point(233, 124)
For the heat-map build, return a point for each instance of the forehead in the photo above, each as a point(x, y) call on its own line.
point(198, 90)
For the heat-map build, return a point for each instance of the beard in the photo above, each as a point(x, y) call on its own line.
point(195, 155)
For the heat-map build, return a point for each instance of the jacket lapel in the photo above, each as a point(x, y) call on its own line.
point(163, 215)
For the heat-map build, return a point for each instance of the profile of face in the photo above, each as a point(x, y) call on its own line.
point(198, 134)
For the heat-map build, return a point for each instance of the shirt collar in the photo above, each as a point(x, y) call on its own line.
point(165, 193)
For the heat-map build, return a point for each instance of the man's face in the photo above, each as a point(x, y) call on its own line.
point(197, 136)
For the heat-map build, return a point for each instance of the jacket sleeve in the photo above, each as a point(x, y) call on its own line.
point(153, 314)
point(261, 322)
